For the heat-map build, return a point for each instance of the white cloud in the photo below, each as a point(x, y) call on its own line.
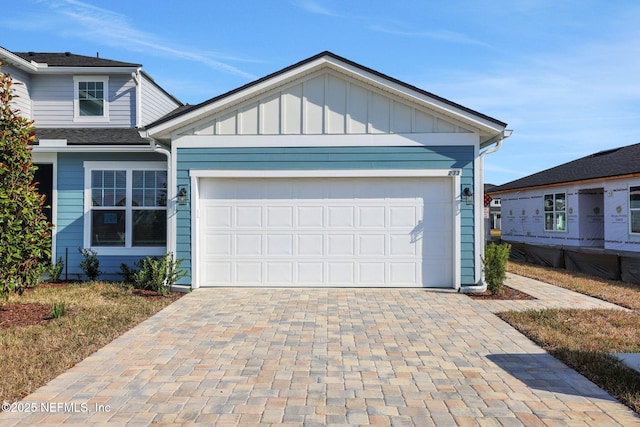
point(440, 35)
point(314, 7)
point(113, 29)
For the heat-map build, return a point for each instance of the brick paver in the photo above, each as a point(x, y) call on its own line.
point(329, 357)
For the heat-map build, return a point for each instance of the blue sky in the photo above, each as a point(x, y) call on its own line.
point(564, 74)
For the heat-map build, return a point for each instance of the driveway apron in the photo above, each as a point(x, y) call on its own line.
point(328, 356)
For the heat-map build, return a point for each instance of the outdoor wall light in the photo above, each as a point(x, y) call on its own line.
point(468, 196)
point(182, 196)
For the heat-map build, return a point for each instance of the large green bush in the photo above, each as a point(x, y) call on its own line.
point(25, 233)
point(495, 266)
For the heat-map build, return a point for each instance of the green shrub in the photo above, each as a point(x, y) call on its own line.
point(55, 270)
point(90, 264)
point(25, 233)
point(58, 309)
point(495, 266)
point(156, 274)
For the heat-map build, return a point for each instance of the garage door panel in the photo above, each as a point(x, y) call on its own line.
point(368, 232)
point(218, 244)
point(372, 273)
point(341, 273)
point(340, 216)
point(310, 244)
point(248, 272)
point(311, 217)
point(402, 216)
point(279, 273)
point(279, 244)
point(341, 245)
point(279, 216)
point(310, 273)
point(402, 245)
point(248, 216)
point(371, 216)
point(371, 245)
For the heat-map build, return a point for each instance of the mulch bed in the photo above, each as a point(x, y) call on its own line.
point(507, 294)
point(27, 314)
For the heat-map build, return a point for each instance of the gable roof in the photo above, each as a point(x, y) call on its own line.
point(191, 113)
point(68, 59)
point(614, 162)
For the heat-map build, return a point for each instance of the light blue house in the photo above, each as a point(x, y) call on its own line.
point(104, 183)
point(327, 173)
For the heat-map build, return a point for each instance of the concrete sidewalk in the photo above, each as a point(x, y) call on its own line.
point(329, 357)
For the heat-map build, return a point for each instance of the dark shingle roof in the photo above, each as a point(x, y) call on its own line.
point(67, 59)
point(93, 136)
point(179, 112)
point(606, 163)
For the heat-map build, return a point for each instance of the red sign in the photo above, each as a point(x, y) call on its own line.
point(487, 200)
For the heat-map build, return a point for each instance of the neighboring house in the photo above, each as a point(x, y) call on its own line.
point(327, 173)
point(494, 209)
point(104, 183)
point(592, 202)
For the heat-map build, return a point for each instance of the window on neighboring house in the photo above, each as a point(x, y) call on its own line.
point(555, 212)
point(91, 97)
point(127, 209)
point(634, 209)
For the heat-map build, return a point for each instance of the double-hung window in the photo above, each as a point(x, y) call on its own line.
point(91, 98)
point(126, 208)
point(555, 212)
point(634, 209)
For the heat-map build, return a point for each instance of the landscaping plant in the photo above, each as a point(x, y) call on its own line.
point(90, 263)
point(495, 266)
point(156, 274)
point(25, 232)
point(55, 270)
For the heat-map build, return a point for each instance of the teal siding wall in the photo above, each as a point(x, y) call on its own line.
point(70, 223)
point(302, 158)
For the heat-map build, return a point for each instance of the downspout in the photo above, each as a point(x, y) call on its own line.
point(481, 286)
point(138, 81)
point(171, 208)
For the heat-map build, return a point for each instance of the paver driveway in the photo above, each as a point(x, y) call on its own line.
point(328, 356)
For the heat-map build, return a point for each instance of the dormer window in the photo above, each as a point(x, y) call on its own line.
point(91, 98)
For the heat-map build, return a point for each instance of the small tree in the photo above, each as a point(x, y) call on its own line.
point(495, 266)
point(25, 233)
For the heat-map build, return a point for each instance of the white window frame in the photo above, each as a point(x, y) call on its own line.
point(555, 212)
point(76, 98)
point(635, 233)
point(126, 250)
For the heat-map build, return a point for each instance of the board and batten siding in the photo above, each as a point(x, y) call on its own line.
point(21, 88)
point(70, 222)
point(327, 158)
point(53, 96)
point(155, 102)
point(325, 104)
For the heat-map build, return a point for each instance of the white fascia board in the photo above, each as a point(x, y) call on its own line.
point(19, 62)
point(92, 149)
point(324, 173)
point(43, 68)
point(352, 140)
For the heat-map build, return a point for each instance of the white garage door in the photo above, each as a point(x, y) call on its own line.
point(359, 232)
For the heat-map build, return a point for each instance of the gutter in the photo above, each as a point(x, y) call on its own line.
point(481, 286)
point(171, 196)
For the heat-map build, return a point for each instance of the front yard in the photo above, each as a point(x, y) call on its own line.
point(585, 339)
point(35, 348)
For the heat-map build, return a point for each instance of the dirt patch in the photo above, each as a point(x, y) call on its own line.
point(507, 294)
